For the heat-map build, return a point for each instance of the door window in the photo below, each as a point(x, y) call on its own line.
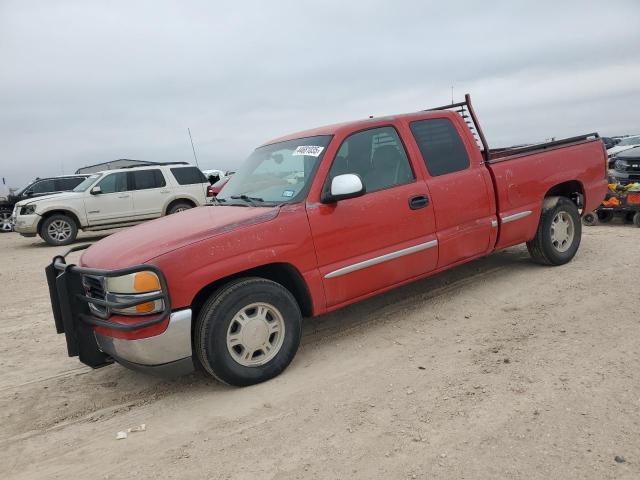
point(377, 155)
point(114, 182)
point(440, 145)
point(145, 179)
point(43, 186)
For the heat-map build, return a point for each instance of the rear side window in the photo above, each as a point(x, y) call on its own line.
point(64, 184)
point(43, 186)
point(188, 175)
point(145, 179)
point(440, 145)
point(114, 182)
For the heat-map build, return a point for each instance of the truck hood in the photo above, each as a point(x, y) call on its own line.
point(139, 244)
point(44, 198)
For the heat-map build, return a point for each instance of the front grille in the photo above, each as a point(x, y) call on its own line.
point(94, 287)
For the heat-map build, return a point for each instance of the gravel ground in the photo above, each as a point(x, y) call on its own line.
point(497, 369)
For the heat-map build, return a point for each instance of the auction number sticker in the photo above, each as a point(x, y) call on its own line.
point(308, 150)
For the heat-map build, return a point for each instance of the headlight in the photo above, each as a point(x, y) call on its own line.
point(28, 210)
point(135, 287)
point(620, 165)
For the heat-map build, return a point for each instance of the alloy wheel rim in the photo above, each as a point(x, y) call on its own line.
point(562, 231)
point(59, 230)
point(5, 222)
point(255, 334)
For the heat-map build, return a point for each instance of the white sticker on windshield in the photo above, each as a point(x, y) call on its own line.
point(287, 193)
point(308, 150)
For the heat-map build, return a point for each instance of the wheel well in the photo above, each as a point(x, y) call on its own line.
point(572, 190)
point(179, 200)
point(283, 273)
point(58, 212)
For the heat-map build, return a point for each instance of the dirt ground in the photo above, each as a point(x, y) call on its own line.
point(497, 369)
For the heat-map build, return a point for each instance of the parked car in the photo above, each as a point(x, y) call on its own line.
point(112, 199)
point(627, 166)
point(214, 190)
point(624, 144)
point(37, 188)
point(610, 142)
point(380, 202)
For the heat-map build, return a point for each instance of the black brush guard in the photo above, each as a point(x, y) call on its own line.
point(72, 314)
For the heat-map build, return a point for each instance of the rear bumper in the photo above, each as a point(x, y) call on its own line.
point(157, 352)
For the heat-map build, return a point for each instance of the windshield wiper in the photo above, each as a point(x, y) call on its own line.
point(248, 199)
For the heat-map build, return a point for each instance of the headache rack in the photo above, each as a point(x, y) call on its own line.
point(465, 110)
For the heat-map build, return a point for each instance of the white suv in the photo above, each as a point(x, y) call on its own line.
point(112, 199)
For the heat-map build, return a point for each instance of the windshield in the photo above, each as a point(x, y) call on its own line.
point(87, 183)
point(277, 173)
point(630, 141)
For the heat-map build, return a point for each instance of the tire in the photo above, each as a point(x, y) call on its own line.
point(636, 219)
point(259, 306)
point(5, 220)
point(590, 219)
point(559, 232)
point(178, 207)
point(605, 216)
point(59, 230)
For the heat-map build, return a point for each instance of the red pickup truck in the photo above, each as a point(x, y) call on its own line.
point(312, 222)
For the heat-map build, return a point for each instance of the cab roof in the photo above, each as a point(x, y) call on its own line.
point(363, 124)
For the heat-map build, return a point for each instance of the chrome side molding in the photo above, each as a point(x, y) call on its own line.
point(516, 216)
point(382, 258)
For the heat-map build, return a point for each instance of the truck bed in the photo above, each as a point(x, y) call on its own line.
point(520, 185)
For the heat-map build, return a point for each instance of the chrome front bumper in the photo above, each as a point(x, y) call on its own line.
point(167, 354)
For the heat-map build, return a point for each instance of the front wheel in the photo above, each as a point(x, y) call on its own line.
point(59, 230)
point(5, 220)
point(636, 219)
point(558, 236)
point(248, 331)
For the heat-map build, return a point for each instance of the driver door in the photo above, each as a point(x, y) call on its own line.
point(114, 203)
point(382, 238)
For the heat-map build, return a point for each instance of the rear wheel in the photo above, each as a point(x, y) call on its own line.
point(5, 220)
point(605, 216)
point(179, 207)
point(559, 233)
point(248, 331)
point(636, 219)
point(58, 230)
point(590, 219)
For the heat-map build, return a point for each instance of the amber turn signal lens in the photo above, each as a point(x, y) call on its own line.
point(145, 307)
point(146, 282)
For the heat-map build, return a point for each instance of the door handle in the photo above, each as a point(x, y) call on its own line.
point(419, 201)
point(123, 196)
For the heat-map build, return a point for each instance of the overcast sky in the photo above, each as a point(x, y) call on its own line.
point(83, 82)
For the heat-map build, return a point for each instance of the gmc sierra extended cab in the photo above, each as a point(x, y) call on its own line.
point(312, 222)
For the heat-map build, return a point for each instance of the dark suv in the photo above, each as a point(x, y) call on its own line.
point(627, 166)
point(37, 188)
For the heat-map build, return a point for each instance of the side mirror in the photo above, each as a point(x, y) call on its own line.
point(96, 191)
point(348, 185)
point(28, 193)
